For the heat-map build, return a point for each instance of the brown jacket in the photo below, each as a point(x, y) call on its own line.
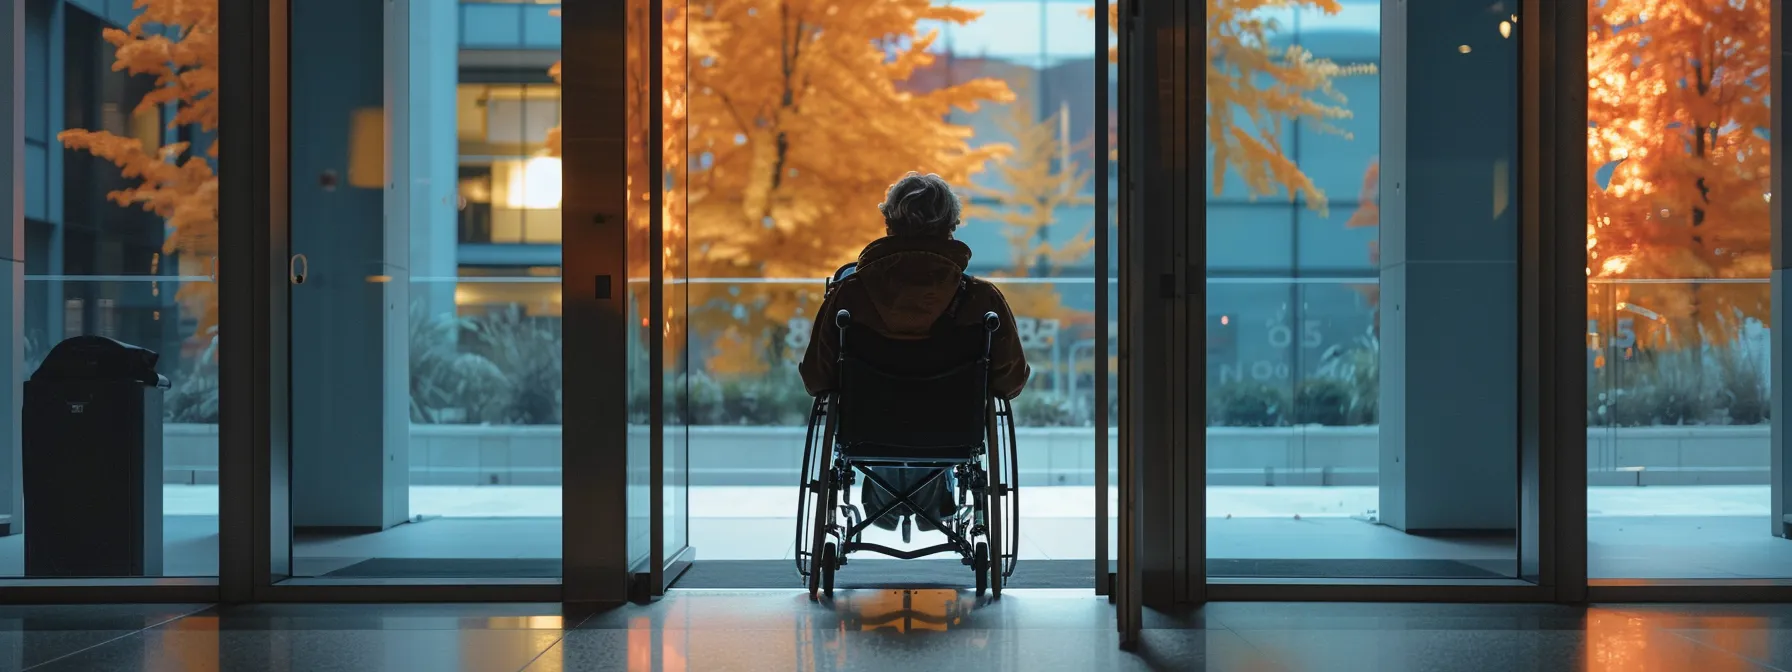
point(902, 286)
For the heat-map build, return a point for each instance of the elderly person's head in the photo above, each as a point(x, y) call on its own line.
point(920, 205)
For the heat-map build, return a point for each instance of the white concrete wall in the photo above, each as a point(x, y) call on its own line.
point(519, 455)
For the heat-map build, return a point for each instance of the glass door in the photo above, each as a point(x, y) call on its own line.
point(764, 179)
point(425, 292)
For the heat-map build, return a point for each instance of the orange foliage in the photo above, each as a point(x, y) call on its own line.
point(1254, 90)
point(798, 124)
point(175, 41)
point(797, 120)
point(1368, 214)
point(782, 127)
point(1678, 158)
point(1039, 178)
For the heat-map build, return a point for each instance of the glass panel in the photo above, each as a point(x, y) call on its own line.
point(783, 185)
point(639, 494)
point(676, 255)
point(1111, 135)
point(1317, 466)
point(119, 478)
point(1678, 260)
point(426, 342)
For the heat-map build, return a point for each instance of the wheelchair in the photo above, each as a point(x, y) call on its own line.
point(967, 435)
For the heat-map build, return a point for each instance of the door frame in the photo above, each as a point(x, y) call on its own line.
point(1168, 456)
point(255, 521)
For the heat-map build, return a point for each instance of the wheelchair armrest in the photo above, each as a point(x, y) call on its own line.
point(844, 271)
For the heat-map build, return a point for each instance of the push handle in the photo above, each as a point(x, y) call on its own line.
point(297, 268)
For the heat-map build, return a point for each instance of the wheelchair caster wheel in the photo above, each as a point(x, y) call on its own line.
point(830, 559)
point(980, 565)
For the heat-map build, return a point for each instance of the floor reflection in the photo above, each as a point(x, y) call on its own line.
point(921, 629)
point(902, 611)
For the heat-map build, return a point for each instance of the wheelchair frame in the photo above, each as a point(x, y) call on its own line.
point(829, 531)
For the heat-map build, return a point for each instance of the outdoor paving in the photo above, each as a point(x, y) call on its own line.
point(1647, 532)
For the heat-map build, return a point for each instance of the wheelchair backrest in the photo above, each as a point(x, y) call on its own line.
point(914, 393)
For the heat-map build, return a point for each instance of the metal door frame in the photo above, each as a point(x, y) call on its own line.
point(254, 242)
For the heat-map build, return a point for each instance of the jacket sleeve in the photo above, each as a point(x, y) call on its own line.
point(820, 360)
point(1008, 370)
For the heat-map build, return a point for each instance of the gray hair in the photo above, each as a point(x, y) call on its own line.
point(921, 205)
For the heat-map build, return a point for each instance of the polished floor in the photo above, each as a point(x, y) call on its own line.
point(892, 630)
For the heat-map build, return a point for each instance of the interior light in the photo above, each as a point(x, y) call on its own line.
point(1506, 29)
point(536, 186)
point(1464, 49)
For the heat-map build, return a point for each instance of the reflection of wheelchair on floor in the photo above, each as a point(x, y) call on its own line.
point(903, 611)
point(923, 407)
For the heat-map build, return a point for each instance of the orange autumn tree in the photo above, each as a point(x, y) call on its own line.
point(1038, 180)
point(799, 119)
point(783, 126)
point(1678, 158)
point(175, 41)
point(1368, 215)
point(1255, 89)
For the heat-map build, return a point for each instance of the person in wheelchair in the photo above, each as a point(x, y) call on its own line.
point(912, 284)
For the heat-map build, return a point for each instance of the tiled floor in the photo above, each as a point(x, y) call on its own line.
point(892, 630)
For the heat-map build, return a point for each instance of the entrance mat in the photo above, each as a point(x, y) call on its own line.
point(871, 572)
point(1320, 568)
point(451, 568)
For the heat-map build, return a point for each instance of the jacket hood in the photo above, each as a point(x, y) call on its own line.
point(912, 279)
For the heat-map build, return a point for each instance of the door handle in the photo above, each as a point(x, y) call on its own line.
point(297, 268)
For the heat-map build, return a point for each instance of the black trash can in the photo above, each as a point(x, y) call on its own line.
point(92, 458)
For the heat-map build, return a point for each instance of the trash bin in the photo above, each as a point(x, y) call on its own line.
point(92, 458)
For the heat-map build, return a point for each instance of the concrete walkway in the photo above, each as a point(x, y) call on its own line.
point(1647, 532)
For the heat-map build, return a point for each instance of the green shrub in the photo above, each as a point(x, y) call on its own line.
point(1247, 404)
point(1322, 401)
point(525, 351)
point(192, 398)
point(776, 398)
point(706, 403)
point(1047, 409)
point(1359, 370)
point(1743, 394)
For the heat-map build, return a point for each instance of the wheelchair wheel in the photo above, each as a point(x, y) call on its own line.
point(981, 566)
point(830, 558)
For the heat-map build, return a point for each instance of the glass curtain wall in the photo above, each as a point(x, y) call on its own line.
point(776, 178)
point(117, 239)
point(1679, 235)
point(425, 290)
point(1362, 246)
